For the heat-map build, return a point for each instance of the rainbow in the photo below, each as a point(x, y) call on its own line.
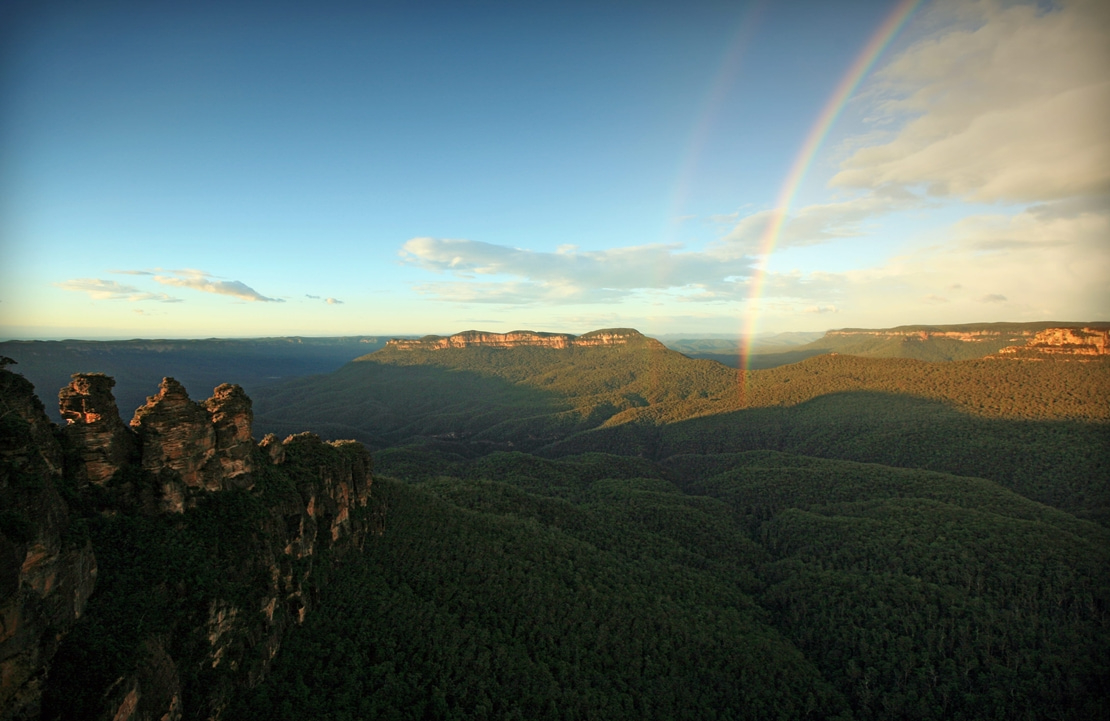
point(835, 104)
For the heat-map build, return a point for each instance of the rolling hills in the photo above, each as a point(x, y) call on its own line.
point(1039, 428)
point(582, 527)
point(933, 343)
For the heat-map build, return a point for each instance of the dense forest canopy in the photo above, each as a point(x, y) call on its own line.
point(625, 532)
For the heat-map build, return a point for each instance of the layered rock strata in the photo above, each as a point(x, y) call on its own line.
point(1064, 342)
point(971, 336)
point(522, 339)
point(93, 426)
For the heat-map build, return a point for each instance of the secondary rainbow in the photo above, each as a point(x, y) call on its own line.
point(835, 104)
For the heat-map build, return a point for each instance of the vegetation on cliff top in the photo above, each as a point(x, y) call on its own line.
point(756, 585)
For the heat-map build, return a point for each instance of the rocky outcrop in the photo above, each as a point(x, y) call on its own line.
point(968, 336)
point(1082, 343)
point(229, 409)
point(94, 428)
point(47, 572)
point(523, 339)
point(190, 447)
point(264, 516)
point(237, 639)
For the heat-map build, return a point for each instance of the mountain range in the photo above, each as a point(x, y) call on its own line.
point(560, 526)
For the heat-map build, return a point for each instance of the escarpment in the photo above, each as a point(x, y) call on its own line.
point(1063, 342)
point(1025, 340)
point(523, 339)
point(182, 553)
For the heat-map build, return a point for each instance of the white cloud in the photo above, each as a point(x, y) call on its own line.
point(1037, 264)
point(111, 290)
point(333, 301)
point(1004, 103)
point(1008, 103)
point(568, 275)
point(813, 224)
point(200, 280)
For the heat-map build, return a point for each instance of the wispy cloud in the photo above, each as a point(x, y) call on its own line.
point(1009, 102)
point(329, 300)
point(1004, 103)
point(99, 289)
point(201, 281)
point(1028, 266)
point(815, 224)
point(569, 275)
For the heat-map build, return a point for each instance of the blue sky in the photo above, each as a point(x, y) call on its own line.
point(240, 169)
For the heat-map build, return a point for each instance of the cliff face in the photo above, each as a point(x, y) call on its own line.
point(47, 572)
point(192, 447)
point(1081, 343)
point(1033, 341)
point(523, 338)
point(198, 622)
point(970, 336)
point(94, 426)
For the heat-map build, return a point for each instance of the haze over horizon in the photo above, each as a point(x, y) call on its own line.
point(247, 170)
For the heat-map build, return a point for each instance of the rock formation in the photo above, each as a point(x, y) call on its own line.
point(230, 411)
point(279, 503)
point(1083, 343)
point(94, 426)
point(523, 338)
point(1022, 341)
point(46, 572)
point(191, 447)
point(967, 336)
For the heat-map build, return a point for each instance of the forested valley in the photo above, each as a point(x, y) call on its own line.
point(624, 532)
point(628, 533)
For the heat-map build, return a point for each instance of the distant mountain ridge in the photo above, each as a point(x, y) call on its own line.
point(523, 339)
point(1024, 341)
point(786, 543)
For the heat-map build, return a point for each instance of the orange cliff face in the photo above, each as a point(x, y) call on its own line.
point(1062, 343)
point(972, 336)
point(1085, 342)
point(523, 339)
point(93, 426)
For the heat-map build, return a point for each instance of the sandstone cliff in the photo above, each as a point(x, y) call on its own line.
point(94, 427)
point(1083, 343)
point(47, 571)
point(524, 338)
point(208, 548)
point(192, 447)
point(1027, 341)
point(971, 336)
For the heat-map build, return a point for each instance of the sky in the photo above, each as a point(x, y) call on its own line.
point(242, 169)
